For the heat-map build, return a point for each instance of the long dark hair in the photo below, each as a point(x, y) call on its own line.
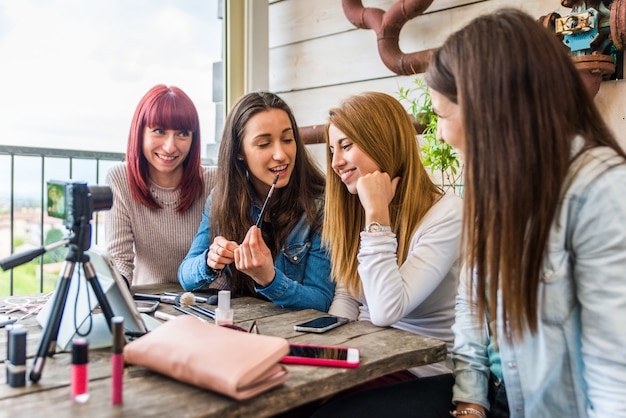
point(233, 194)
point(523, 104)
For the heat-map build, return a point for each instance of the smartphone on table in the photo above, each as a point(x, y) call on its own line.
point(6, 320)
point(322, 355)
point(321, 324)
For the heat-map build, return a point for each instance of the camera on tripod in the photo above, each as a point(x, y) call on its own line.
point(73, 201)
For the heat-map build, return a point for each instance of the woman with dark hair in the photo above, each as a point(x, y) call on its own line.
point(282, 260)
point(159, 192)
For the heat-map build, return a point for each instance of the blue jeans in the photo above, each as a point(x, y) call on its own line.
point(497, 399)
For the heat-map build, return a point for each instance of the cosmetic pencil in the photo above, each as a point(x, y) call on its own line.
point(267, 199)
point(186, 312)
point(117, 359)
point(199, 309)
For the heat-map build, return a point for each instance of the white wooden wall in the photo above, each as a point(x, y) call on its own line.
point(317, 56)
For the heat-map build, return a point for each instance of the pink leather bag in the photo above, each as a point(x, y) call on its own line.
point(233, 363)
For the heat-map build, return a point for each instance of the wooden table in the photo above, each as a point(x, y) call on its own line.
point(383, 351)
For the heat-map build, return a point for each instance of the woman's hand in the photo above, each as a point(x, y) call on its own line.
point(221, 253)
point(376, 190)
point(254, 258)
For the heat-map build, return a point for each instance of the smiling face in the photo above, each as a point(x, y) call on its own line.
point(269, 148)
point(349, 162)
point(450, 123)
point(166, 150)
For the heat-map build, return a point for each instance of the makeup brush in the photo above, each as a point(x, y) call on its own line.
point(267, 199)
point(186, 299)
point(198, 299)
point(171, 299)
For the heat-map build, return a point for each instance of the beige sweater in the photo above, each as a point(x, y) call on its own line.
point(147, 245)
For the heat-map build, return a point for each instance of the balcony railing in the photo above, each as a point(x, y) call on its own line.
point(24, 173)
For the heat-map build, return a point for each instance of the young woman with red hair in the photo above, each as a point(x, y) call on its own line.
point(159, 191)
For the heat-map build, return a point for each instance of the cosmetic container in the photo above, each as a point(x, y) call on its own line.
point(16, 357)
point(9, 328)
point(80, 376)
point(223, 313)
point(117, 360)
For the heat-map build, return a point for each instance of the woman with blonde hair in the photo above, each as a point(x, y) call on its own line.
point(393, 234)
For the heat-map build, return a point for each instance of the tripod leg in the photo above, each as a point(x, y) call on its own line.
point(47, 345)
point(90, 275)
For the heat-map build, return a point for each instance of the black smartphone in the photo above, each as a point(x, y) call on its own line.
point(322, 355)
point(147, 306)
point(321, 324)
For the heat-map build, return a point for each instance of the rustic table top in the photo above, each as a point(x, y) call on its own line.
point(383, 351)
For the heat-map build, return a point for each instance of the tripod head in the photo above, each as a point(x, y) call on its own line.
point(74, 202)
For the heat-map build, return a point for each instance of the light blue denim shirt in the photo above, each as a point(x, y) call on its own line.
point(575, 365)
point(302, 267)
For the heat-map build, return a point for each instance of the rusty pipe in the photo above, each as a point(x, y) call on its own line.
point(387, 26)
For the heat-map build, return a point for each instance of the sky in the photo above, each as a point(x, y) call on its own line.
point(73, 71)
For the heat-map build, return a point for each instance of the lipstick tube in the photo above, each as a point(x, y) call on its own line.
point(80, 377)
point(117, 360)
point(16, 361)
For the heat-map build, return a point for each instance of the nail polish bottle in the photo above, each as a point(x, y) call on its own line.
point(117, 359)
point(223, 313)
point(80, 377)
point(16, 360)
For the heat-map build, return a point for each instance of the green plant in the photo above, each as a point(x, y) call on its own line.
point(442, 159)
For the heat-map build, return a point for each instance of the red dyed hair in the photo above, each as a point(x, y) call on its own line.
point(167, 108)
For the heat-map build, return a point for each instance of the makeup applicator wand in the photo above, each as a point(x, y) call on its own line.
point(267, 199)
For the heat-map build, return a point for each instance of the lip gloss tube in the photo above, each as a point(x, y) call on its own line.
point(117, 360)
point(16, 362)
point(80, 377)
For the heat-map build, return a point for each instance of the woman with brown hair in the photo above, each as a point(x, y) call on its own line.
point(542, 297)
point(542, 301)
point(282, 259)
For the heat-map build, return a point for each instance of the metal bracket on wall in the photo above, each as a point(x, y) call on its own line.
point(595, 33)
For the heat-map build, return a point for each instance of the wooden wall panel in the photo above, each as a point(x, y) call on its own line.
point(300, 20)
point(311, 106)
point(611, 100)
point(317, 56)
point(352, 55)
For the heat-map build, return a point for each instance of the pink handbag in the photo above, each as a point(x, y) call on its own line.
point(233, 363)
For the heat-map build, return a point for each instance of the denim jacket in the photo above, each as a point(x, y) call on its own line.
point(575, 365)
point(302, 267)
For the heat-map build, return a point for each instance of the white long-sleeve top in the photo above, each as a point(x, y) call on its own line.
point(418, 296)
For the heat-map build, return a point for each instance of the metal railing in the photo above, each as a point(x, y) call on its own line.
point(24, 173)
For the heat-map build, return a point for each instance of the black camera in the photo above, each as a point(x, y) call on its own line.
point(73, 201)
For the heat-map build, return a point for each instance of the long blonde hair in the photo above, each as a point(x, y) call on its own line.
point(379, 125)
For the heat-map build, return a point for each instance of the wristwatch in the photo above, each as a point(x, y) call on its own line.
point(376, 227)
